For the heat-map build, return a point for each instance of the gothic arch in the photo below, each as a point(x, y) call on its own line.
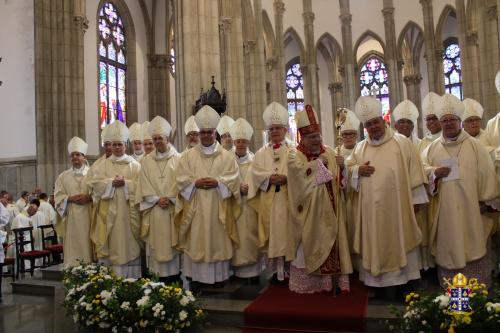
point(131, 77)
point(289, 35)
point(410, 43)
point(364, 36)
point(331, 51)
point(269, 38)
point(448, 10)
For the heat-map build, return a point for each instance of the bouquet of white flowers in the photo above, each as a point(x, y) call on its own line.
point(97, 299)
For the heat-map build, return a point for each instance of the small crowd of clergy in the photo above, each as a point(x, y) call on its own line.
point(389, 206)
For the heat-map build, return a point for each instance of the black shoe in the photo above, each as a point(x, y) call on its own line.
point(274, 280)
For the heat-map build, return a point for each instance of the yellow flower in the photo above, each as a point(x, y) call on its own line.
point(451, 329)
point(143, 323)
point(467, 320)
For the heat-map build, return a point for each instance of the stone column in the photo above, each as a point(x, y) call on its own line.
point(311, 87)
point(158, 91)
point(390, 55)
point(254, 70)
point(198, 54)
point(469, 68)
point(277, 65)
point(489, 55)
point(412, 83)
point(59, 84)
point(432, 55)
point(232, 60)
point(350, 81)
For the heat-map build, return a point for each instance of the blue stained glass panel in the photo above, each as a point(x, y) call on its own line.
point(373, 79)
point(300, 93)
point(290, 94)
point(112, 76)
point(121, 57)
point(452, 68)
point(111, 52)
point(121, 79)
point(102, 73)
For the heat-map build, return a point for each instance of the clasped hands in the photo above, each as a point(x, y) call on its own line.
point(163, 202)
point(79, 199)
point(244, 188)
point(118, 181)
point(277, 179)
point(206, 183)
point(442, 172)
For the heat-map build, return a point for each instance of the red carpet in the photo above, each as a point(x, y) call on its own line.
point(280, 309)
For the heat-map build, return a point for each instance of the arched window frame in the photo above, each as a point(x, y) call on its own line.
point(294, 85)
point(452, 68)
point(371, 84)
point(130, 56)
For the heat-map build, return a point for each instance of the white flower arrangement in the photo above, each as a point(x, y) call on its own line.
point(98, 300)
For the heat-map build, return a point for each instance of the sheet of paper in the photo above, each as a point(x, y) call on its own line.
point(451, 163)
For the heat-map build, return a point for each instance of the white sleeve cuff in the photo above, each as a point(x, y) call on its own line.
point(223, 191)
point(419, 196)
point(61, 209)
point(432, 184)
point(343, 181)
point(109, 191)
point(355, 178)
point(148, 202)
point(495, 203)
point(188, 191)
point(265, 184)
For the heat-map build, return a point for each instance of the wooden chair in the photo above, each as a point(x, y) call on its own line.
point(24, 237)
point(50, 243)
point(9, 261)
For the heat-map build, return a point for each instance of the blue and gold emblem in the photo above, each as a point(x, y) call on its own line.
point(459, 292)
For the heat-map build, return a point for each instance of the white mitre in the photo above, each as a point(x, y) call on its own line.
point(367, 108)
point(497, 81)
point(225, 124)
point(190, 126)
point(430, 104)
point(77, 144)
point(105, 135)
point(450, 105)
point(406, 110)
point(472, 109)
point(135, 132)
point(118, 131)
point(241, 129)
point(145, 131)
point(275, 114)
point(351, 122)
point(159, 126)
point(207, 117)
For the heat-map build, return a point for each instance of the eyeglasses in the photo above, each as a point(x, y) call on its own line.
point(449, 120)
point(431, 118)
point(206, 133)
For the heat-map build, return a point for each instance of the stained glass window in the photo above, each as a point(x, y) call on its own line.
point(452, 68)
point(294, 95)
point(112, 66)
point(374, 81)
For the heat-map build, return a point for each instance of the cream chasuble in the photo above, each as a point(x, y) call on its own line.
point(493, 130)
point(157, 180)
point(206, 217)
point(247, 257)
point(277, 235)
point(320, 225)
point(426, 141)
point(73, 220)
point(117, 225)
point(348, 196)
point(458, 232)
point(386, 233)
